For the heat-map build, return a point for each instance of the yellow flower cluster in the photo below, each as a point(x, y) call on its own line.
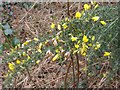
point(11, 66)
point(103, 23)
point(93, 38)
point(40, 47)
point(85, 39)
point(59, 27)
point(55, 57)
point(77, 46)
point(78, 15)
point(36, 39)
point(87, 7)
point(84, 49)
point(97, 46)
point(24, 54)
point(38, 61)
point(28, 57)
point(96, 18)
point(26, 43)
point(65, 26)
point(66, 19)
point(74, 38)
point(96, 6)
point(107, 53)
point(52, 26)
point(18, 61)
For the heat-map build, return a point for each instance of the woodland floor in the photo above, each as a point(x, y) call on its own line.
point(37, 22)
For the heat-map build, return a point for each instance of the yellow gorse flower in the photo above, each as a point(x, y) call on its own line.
point(66, 19)
point(78, 15)
point(105, 74)
point(57, 51)
point(59, 27)
point(96, 6)
point(107, 53)
point(55, 57)
point(38, 61)
point(87, 7)
point(36, 39)
point(77, 46)
point(40, 47)
point(90, 44)
point(84, 49)
point(93, 38)
point(11, 66)
point(28, 57)
point(39, 50)
point(97, 45)
point(65, 26)
point(103, 23)
point(24, 54)
point(27, 42)
point(18, 61)
point(12, 50)
point(52, 26)
point(23, 61)
point(85, 39)
point(96, 18)
point(74, 38)
point(17, 46)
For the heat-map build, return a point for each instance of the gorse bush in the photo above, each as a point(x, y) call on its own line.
point(89, 35)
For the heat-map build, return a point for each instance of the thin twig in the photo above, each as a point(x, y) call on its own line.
point(30, 30)
point(101, 81)
point(21, 81)
point(15, 83)
point(31, 77)
point(68, 5)
point(28, 11)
